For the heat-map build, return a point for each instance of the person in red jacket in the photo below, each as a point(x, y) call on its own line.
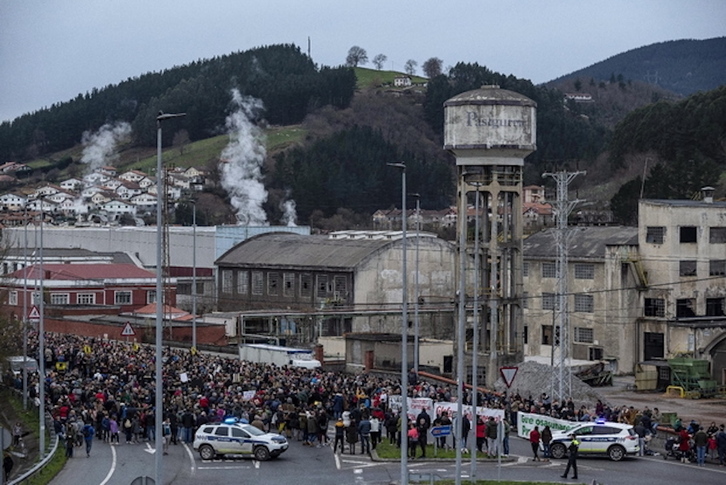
point(534, 437)
point(684, 444)
point(481, 435)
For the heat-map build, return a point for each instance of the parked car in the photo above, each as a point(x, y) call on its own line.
point(615, 440)
point(235, 438)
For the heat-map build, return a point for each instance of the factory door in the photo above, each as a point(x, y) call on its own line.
point(653, 346)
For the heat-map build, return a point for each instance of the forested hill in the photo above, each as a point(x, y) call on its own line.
point(682, 66)
point(286, 80)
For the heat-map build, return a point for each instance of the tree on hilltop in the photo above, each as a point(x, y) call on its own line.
point(410, 67)
point(432, 67)
point(379, 60)
point(356, 55)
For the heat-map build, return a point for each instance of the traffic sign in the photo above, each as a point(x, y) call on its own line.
point(34, 314)
point(128, 330)
point(440, 431)
point(508, 374)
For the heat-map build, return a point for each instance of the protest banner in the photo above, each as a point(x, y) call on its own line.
point(527, 421)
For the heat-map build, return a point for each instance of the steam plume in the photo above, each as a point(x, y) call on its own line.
point(242, 161)
point(100, 147)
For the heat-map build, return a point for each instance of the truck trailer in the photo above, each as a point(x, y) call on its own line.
point(278, 355)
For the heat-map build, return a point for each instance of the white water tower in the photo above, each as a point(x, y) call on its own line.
point(490, 131)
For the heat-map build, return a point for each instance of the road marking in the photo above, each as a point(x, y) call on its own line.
point(193, 465)
point(256, 463)
point(149, 449)
point(337, 460)
point(113, 467)
point(222, 467)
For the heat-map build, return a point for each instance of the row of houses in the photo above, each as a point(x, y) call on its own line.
point(635, 294)
point(536, 212)
point(102, 192)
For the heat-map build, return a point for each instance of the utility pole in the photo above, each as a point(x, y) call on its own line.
point(561, 375)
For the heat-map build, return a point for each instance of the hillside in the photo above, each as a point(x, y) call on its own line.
point(681, 66)
point(329, 149)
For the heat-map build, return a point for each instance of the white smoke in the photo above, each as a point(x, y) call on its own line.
point(242, 159)
point(100, 147)
point(289, 216)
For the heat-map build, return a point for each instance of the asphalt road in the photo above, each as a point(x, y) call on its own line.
point(120, 465)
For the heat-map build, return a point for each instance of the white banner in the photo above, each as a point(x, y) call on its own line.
point(527, 421)
point(451, 408)
point(414, 405)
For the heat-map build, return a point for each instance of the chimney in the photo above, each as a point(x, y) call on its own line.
point(707, 193)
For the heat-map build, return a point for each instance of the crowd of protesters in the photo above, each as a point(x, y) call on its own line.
point(110, 386)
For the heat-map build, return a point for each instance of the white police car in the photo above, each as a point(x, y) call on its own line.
point(616, 440)
point(235, 438)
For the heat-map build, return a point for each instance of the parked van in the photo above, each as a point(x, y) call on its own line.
point(15, 364)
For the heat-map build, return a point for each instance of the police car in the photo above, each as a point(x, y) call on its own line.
point(616, 440)
point(235, 438)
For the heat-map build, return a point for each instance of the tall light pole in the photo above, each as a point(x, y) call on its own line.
point(404, 332)
point(160, 200)
point(25, 307)
point(416, 324)
point(475, 336)
point(41, 336)
point(461, 330)
point(194, 274)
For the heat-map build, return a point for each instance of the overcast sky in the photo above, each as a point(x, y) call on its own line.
point(52, 50)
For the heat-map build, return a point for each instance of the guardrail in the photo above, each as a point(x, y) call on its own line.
point(42, 463)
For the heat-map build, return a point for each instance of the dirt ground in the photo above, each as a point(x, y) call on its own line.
point(702, 410)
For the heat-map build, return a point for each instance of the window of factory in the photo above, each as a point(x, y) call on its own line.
point(717, 235)
point(525, 334)
point(525, 269)
point(689, 234)
point(288, 285)
point(717, 267)
point(546, 334)
point(306, 285)
point(86, 298)
point(549, 270)
point(584, 303)
point(321, 284)
point(584, 335)
point(714, 307)
point(227, 277)
point(548, 301)
point(654, 307)
point(150, 297)
point(341, 287)
point(258, 282)
point(243, 282)
point(36, 298)
point(584, 271)
point(122, 298)
point(525, 300)
point(688, 268)
point(13, 298)
point(273, 283)
point(60, 298)
point(685, 308)
point(655, 234)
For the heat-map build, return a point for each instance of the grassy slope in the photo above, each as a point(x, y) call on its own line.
point(373, 78)
point(197, 154)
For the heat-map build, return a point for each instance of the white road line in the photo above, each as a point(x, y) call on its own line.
point(337, 460)
point(193, 466)
point(256, 463)
point(113, 467)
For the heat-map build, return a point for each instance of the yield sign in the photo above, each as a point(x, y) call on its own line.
point(34, 314)
point(128, 330)
point(508, 374)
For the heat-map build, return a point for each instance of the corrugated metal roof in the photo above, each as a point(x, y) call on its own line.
point(585, 242)
point(285, 249)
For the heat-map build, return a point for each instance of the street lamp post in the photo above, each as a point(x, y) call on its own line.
point(475, 336)
point(160, 199)
point(25, 307)
point(41, 336)
point(194, 274)
point(404, 332)
point(416, 324)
